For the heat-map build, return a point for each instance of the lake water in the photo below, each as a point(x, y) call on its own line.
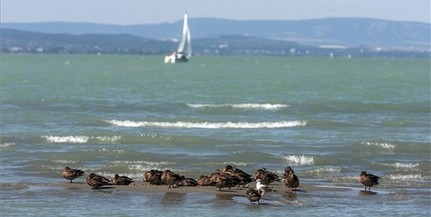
point(329, 119)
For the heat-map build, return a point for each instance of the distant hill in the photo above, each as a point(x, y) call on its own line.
point(34, 42)
point(349, 32)
point(19, 41)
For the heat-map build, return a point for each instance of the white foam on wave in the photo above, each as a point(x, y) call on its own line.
point(80, 139)
point(326, 170)
point(400, 177)
point(64, 161)
point(7, 145)
point(381, 145)
point(262, 106)
point(66, 139)
point(299, 160)
point(208, 125)
point(107, 138)
point(403, 166)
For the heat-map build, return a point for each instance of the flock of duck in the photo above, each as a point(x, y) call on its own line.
point(228, 177)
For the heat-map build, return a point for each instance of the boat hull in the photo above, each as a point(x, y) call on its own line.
point(176, 59)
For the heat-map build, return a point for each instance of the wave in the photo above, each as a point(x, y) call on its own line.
point(7, 145)
point(262, 106)
point(381, 145)
point(403, 166)
point(208, 125)
point(400, 177)
point(299, 160)
point(80, 139)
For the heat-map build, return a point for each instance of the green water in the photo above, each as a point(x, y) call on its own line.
point(327, 118)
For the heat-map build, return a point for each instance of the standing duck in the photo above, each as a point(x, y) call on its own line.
point(253, 195)
point(97, 181)
point(71, 174)
point(290, 179)
point(121, 180)
point(368, 180)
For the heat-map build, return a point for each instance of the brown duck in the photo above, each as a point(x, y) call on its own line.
point(368, 180)
point(171, 179)
point(290, 179)
point(223, 180)
point(71, 174)
point(188, 182)
point(265, 176)
point(243, 177)
point(121, 180)
point(205, 180)
point(253, 195)
point(154, 177)
point(97, 181)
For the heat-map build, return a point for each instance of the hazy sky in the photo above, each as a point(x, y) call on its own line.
point(127, 12)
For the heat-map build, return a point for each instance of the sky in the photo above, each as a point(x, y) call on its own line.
point(131, 12)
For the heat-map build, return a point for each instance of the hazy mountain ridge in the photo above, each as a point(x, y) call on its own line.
point(317, 32)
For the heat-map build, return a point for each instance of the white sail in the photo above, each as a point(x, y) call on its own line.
point(184, 35)
point(181, 54)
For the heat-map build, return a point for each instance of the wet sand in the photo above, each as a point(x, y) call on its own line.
point(146, 187)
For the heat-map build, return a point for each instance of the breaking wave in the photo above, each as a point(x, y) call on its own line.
point(80, 139)
point(299, 160)
point(381, 145)
point(7, 145)
point(262, 106)
point(400, 177)
point(208, 125)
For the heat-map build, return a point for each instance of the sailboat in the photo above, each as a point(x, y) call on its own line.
point(184, 51)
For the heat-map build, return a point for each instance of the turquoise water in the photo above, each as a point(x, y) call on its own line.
point(327, 118)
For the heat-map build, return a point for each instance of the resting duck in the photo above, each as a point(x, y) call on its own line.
point(290, 179)
point(97, 181)
point(71, 174)
point(243, 177)
point(121, 180)
point(170, 178)
point(204, 180)
point(369, 180)
point(223, 180)
point(188, 182)
point(154, 177)
point(266, 177)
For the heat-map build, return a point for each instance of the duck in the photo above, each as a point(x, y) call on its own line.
point(368, 180)
point(266, 177)
point(290, 180)
point(205, 180)
point(71, 174)
point(171, 179)
point(188, 182)
point(121, 180)
point(243, 177)
point(253, 195)
point(154, 177)
point(223, 180)
point(97, 181)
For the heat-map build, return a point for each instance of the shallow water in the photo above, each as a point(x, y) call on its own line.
point(327, 118)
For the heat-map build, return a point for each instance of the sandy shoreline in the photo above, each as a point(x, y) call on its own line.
point(146, 187)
